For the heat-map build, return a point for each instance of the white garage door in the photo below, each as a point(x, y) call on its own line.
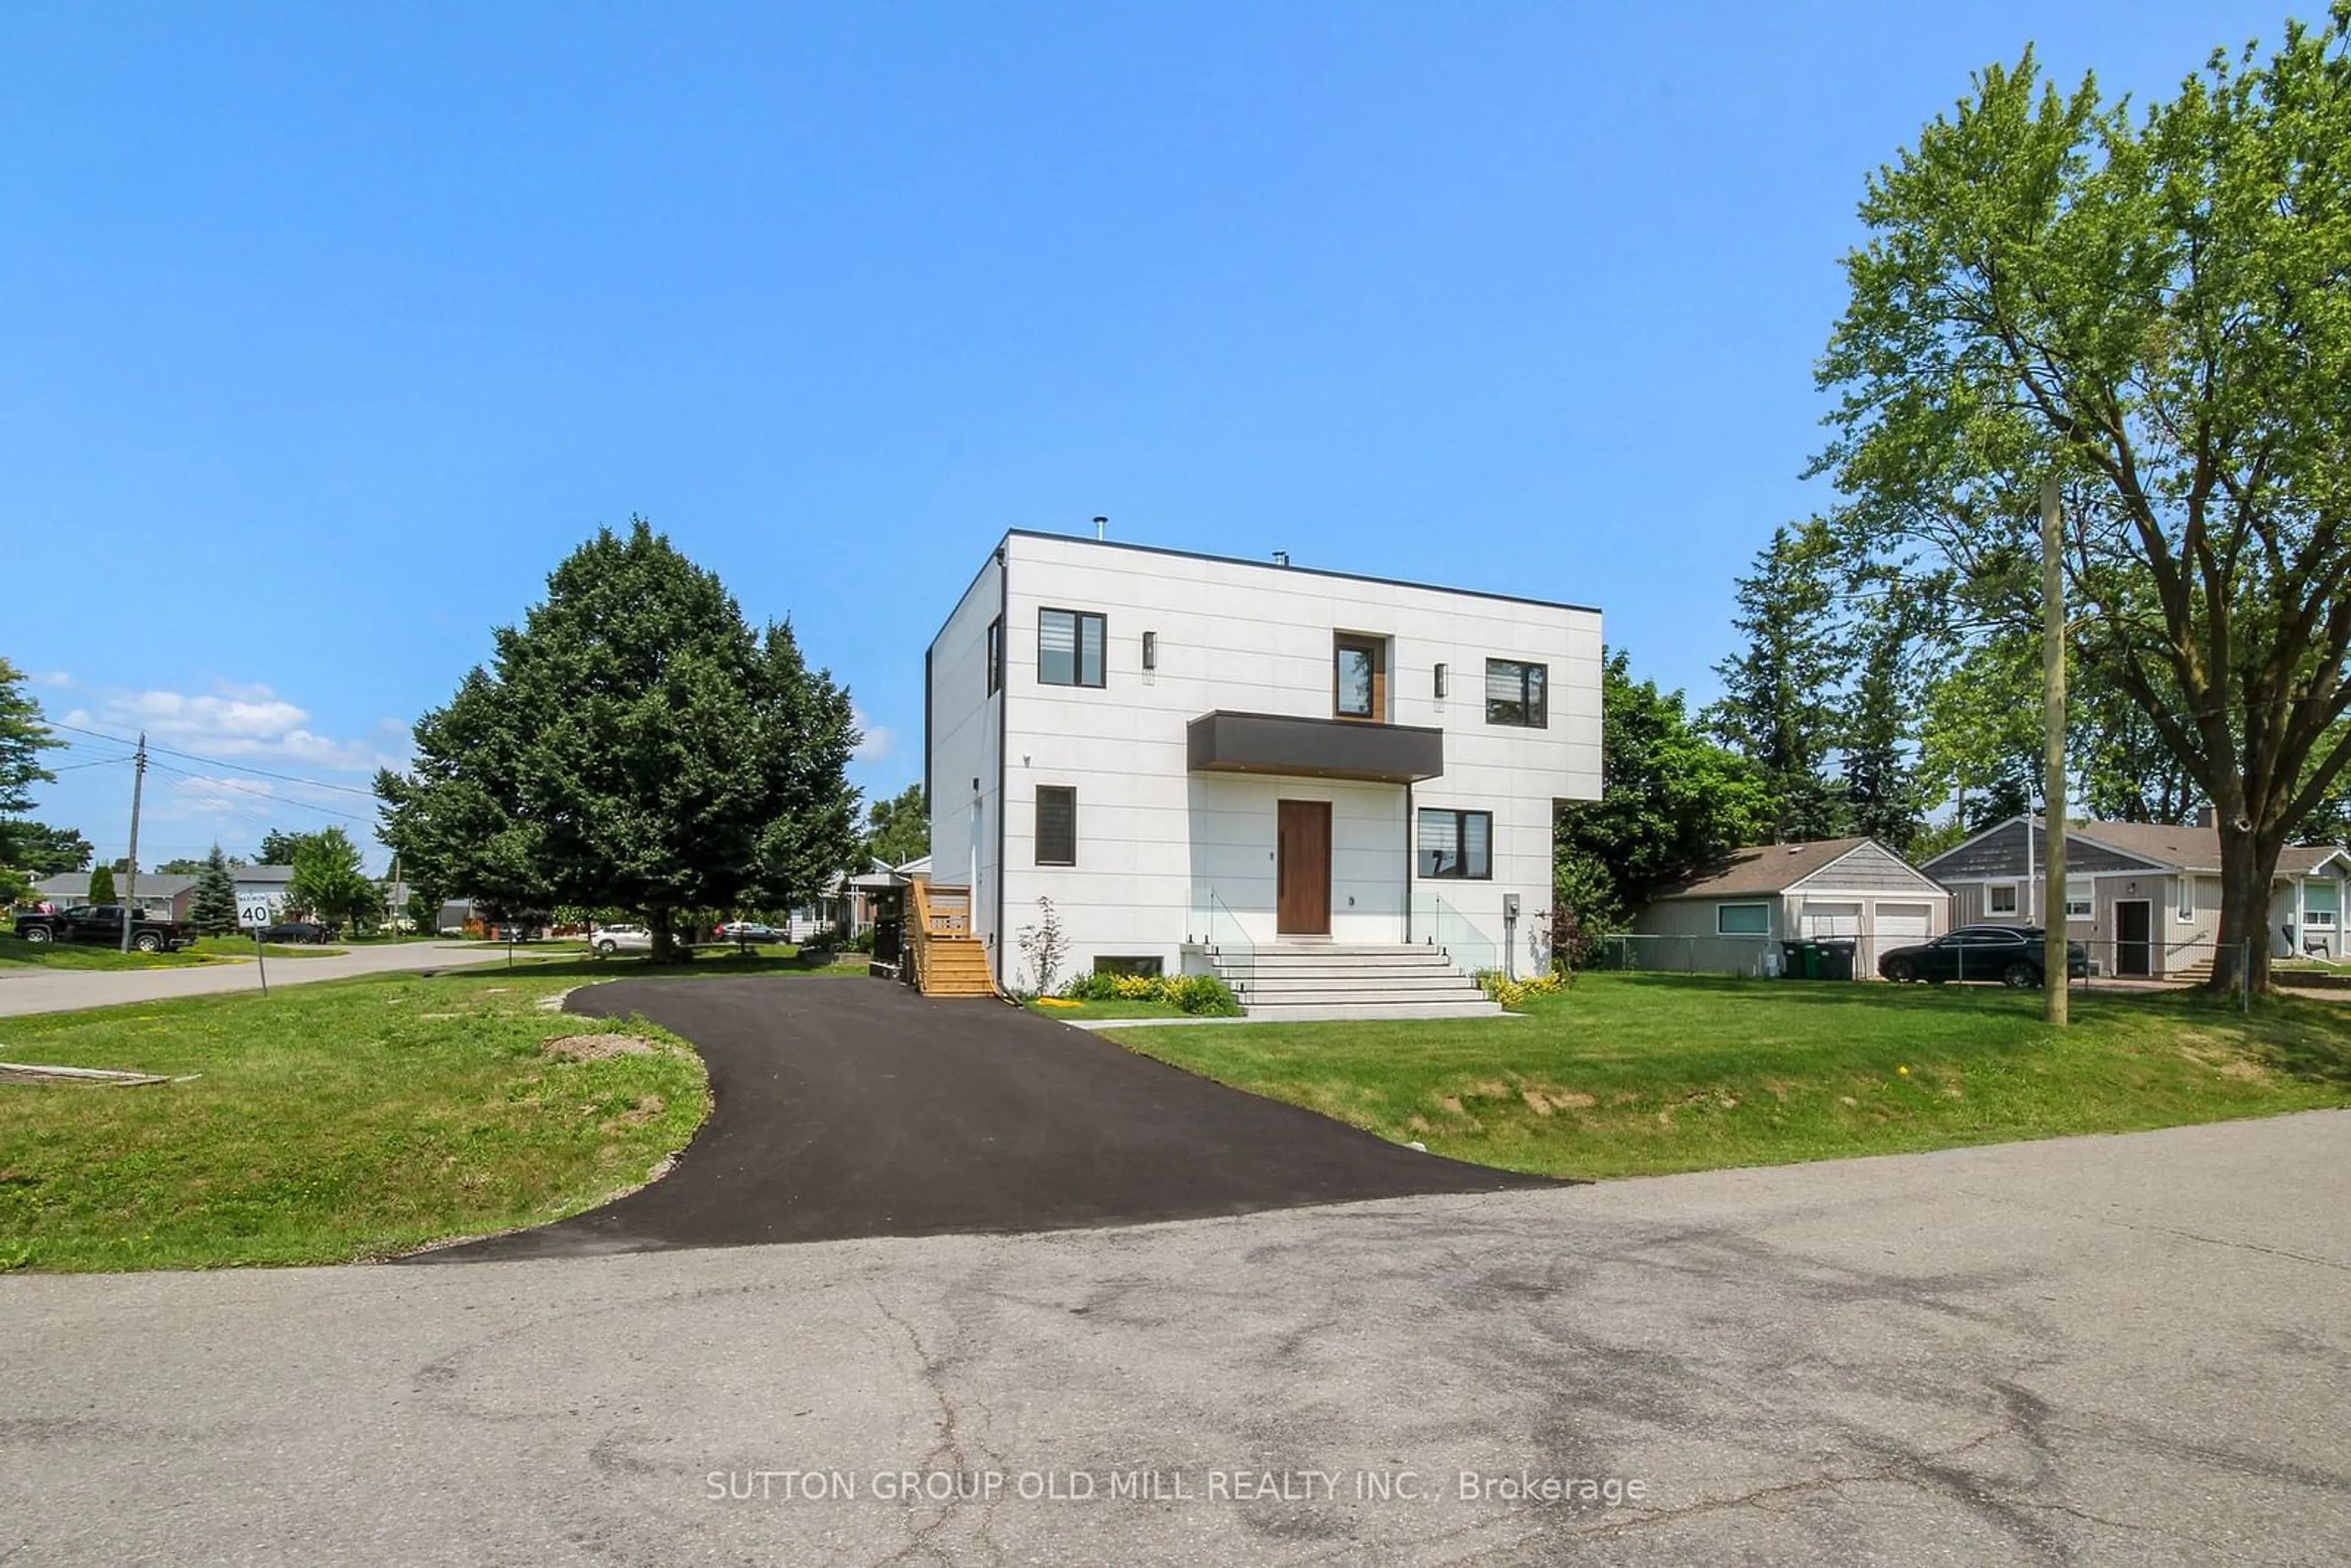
point(1899, 925)
point(1815, 920)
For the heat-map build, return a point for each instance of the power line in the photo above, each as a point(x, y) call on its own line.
point(229, 786)
point(219, 762)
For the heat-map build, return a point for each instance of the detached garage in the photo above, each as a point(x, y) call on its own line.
point(1739, 909)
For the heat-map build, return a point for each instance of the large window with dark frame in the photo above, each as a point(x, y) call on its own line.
point(1456, 844)
point(995, 655)
point(1515, 693)
point(1070, 647)
point(1057, 825)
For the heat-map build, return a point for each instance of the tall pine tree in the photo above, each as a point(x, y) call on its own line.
point(213, 909)
point(1777, 708)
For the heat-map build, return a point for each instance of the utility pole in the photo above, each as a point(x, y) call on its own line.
point(2056, 951)
point(131, 866)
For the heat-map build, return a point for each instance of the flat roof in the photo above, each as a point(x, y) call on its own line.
point(1309, 570)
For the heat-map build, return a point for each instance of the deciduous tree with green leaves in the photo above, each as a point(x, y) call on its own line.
point(279, 847)
point(2153, 306)
point(898, 830)
point(634, 744)
point(329, 881)
point(1670, 801)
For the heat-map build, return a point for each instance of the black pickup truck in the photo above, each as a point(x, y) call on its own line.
point(103, 923)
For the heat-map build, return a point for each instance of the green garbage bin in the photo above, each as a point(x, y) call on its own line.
point(1799, 961)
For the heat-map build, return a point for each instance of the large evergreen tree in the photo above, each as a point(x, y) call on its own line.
point(101, 885)
point(2148, 304)
point(47, 851)
point(633, 744)
point(1778, 706)
point(213, 909)
point(23, 738)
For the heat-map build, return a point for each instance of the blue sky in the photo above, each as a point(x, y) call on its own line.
point(330, 330)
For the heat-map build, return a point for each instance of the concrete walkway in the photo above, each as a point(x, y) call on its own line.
point(2098, 1350)
point(32, 990)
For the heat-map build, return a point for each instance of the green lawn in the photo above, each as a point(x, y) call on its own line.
point(325, 1123)
point(1114, 1008)
point(15, 952)
point(1628, 1075)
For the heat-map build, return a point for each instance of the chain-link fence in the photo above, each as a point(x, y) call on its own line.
point(1751, 955)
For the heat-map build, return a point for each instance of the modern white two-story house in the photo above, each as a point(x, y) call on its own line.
point(1197, 758)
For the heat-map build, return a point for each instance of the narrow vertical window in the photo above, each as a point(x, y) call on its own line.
point(1358, 677)
point(995, 655)
point(1057, 825)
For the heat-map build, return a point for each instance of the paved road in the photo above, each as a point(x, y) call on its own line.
point(57, 991)
point(847, 1108)
point(2128, 1349)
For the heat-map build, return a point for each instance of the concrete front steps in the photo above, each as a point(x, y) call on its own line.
point(1350, 980)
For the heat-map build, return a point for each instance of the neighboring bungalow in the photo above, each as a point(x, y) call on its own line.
point(2144, 896)
point(849, 905)
point(1732, 915)
point(156, 890)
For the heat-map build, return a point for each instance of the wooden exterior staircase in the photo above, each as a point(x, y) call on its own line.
point(948, 960)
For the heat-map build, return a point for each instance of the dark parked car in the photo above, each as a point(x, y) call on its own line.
point(2009, 954)
point(298, 931)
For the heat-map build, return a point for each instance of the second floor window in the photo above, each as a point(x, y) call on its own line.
point(1515, 693)
point(1069, 648)
point(995, 656)
point(1359, 680)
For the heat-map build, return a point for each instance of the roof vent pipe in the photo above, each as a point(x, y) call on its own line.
point(1102, 530)
point(1281, 558)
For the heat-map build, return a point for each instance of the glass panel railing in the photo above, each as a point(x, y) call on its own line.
point(1214, 926)
point(1437, 922)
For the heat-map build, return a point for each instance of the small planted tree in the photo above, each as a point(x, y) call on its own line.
point(1045, 946)
point(213, 909)
point(101, 885)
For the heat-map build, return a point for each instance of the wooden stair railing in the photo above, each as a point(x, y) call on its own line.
point(949, 961)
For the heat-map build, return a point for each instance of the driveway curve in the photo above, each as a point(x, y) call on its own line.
point(852, 1108)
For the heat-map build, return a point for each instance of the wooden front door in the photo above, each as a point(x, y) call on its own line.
point(1303, 870)
point(2134, 936)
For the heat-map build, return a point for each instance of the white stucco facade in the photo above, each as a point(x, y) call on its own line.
point(1160, 843)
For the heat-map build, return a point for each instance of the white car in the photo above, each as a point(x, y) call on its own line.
point(606, 940)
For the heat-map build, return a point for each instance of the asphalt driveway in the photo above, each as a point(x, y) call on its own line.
point(852, 1108)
